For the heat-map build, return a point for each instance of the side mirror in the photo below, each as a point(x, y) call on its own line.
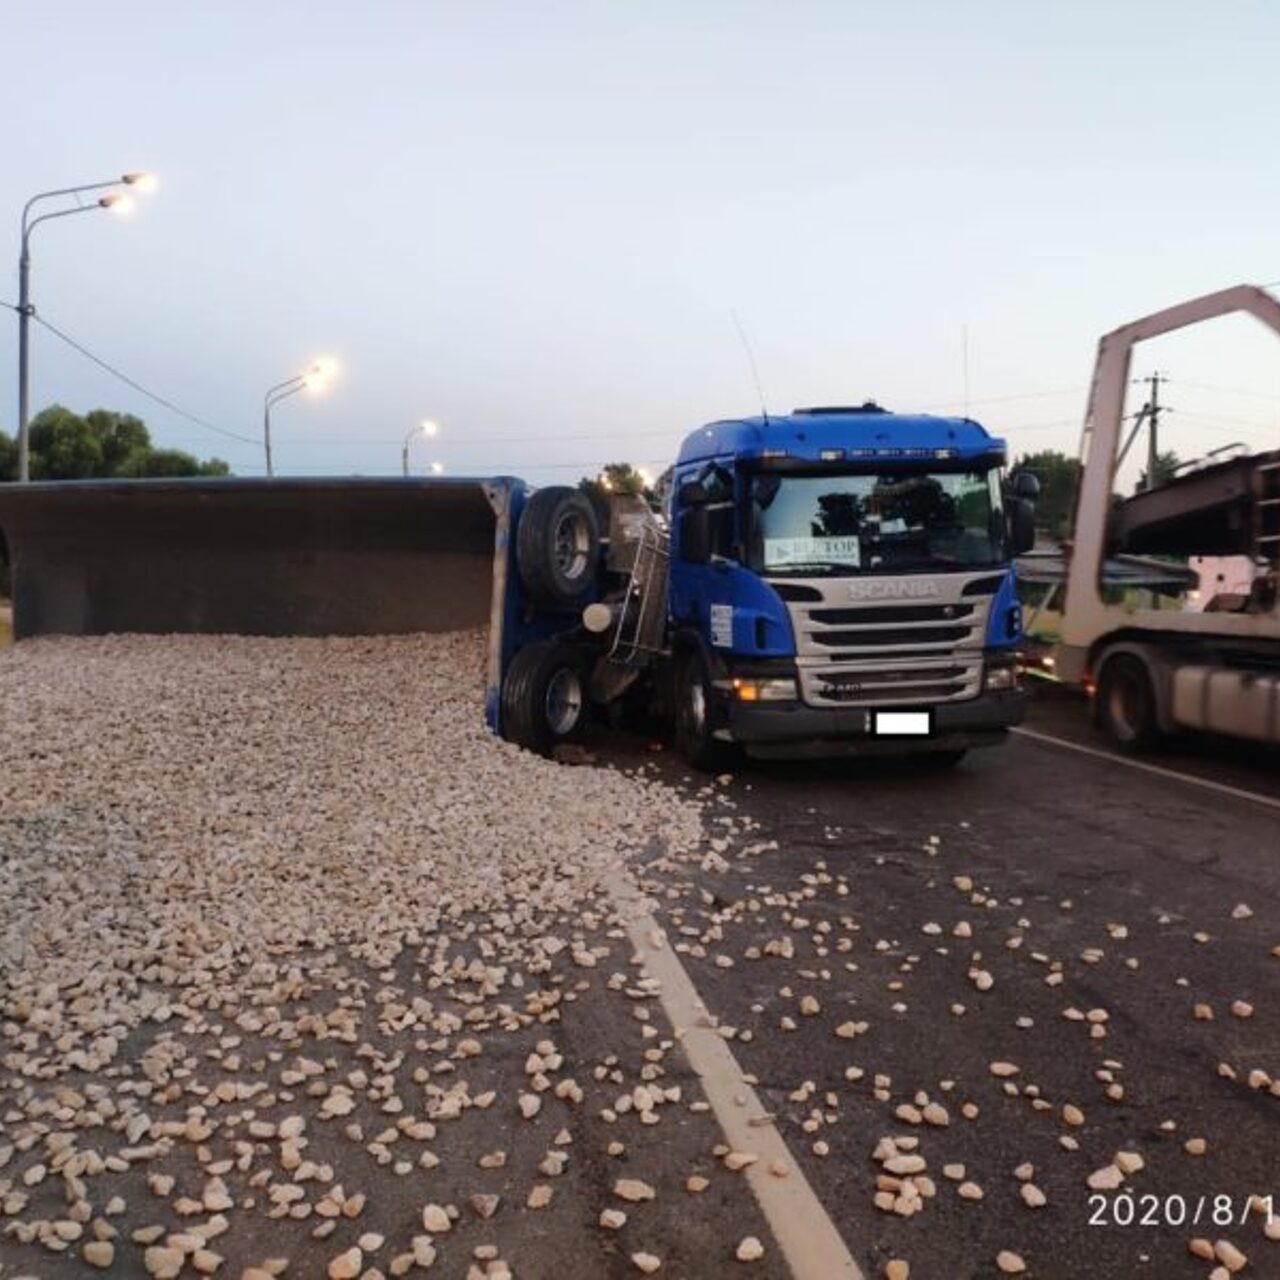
point(693, 493)
point(695, 535)
point(1026, 484)
point(1022, 526)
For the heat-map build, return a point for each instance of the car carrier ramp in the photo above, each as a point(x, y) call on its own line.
point(1221, 510)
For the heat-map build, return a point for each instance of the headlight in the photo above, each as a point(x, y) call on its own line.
point(1004, 676)
point(747, 690)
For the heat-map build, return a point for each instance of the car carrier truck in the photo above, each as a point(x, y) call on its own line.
point(1153, 671)
point(834, 581)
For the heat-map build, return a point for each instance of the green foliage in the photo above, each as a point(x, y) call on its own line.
point(8, 457)
point(100, 445)
point(63, 447)
point(1166, 469)
point(615, 477)
point(1058, 475)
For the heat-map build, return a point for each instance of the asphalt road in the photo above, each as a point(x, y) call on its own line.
point(1118, 881)
point(842, 939)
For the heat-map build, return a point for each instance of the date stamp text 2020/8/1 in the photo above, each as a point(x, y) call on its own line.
point(1127, 1209)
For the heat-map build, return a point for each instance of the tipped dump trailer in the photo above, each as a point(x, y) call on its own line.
point(1155, 670)
point(250, 556)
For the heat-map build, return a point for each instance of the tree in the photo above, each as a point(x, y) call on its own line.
point(120, 434)
point(102, 444)
point(159, 463)
point(63, 447)
point(617, 477)
point(1166, 469)
point(1059, 476)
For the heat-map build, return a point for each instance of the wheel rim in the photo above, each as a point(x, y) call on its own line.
point(697, 707)
point(563, 702)
point(572, 545)
point(1124, 707)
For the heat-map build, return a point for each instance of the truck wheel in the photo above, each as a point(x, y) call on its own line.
point(695, 710)
point(1126, 706)
point(557, 546)
point(544, 696)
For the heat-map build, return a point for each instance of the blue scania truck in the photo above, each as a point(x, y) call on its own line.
point(837, 581)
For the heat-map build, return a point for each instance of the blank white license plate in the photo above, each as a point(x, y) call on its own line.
point(902, 724)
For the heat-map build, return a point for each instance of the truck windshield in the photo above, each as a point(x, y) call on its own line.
point(868, 523)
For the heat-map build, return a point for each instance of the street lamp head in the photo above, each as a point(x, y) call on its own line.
point(437, 468)
point(118, 204)
point(429, 429)
point(141, 179)
point(321, 373)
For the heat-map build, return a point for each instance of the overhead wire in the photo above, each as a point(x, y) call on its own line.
point(137, 386)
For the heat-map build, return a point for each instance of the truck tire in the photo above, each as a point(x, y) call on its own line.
point(1126, 704)
point(694, 715)
point(544, 696)
point(557, 547)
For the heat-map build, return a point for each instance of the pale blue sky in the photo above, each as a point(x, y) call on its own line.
point(533, 222)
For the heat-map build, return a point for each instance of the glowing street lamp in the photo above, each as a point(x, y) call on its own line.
point(316, 377)
point(116, 202)
point(428, 430)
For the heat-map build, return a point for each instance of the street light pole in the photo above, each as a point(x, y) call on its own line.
point(315, 378)
point(281, 391)
point(26, 310)
point(426, 429)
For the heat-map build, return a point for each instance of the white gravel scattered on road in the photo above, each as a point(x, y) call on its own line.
point(199, 809)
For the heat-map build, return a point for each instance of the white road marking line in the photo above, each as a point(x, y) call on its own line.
point(1160, 772)
point(800, 1224)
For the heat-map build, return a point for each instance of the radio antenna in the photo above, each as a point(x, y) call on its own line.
point(751, 360)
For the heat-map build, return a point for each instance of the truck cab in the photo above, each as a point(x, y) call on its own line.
point(841, 582)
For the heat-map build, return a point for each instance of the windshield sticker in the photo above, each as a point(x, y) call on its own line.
point(722, 626)
point(784, 551)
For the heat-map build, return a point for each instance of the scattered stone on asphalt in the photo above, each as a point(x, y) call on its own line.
point(633, 1190)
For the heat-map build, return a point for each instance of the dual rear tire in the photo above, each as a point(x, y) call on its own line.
point(544, 700)
point(558, 547)
point(544, 696)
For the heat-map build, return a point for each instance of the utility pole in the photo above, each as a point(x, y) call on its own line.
point(1152, 408)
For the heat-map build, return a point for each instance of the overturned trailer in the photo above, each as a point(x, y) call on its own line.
point(259, 557)
point(351, 556)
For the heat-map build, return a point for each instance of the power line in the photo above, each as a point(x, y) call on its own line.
point(475, 468)
point(137, 386)
point(1227, 391)
point(1023, 395)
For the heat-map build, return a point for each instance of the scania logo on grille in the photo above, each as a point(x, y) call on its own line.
point(893, 589)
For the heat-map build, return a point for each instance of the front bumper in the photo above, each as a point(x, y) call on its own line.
point(793, 730)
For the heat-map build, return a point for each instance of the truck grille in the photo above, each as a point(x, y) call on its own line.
point(856, 652)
